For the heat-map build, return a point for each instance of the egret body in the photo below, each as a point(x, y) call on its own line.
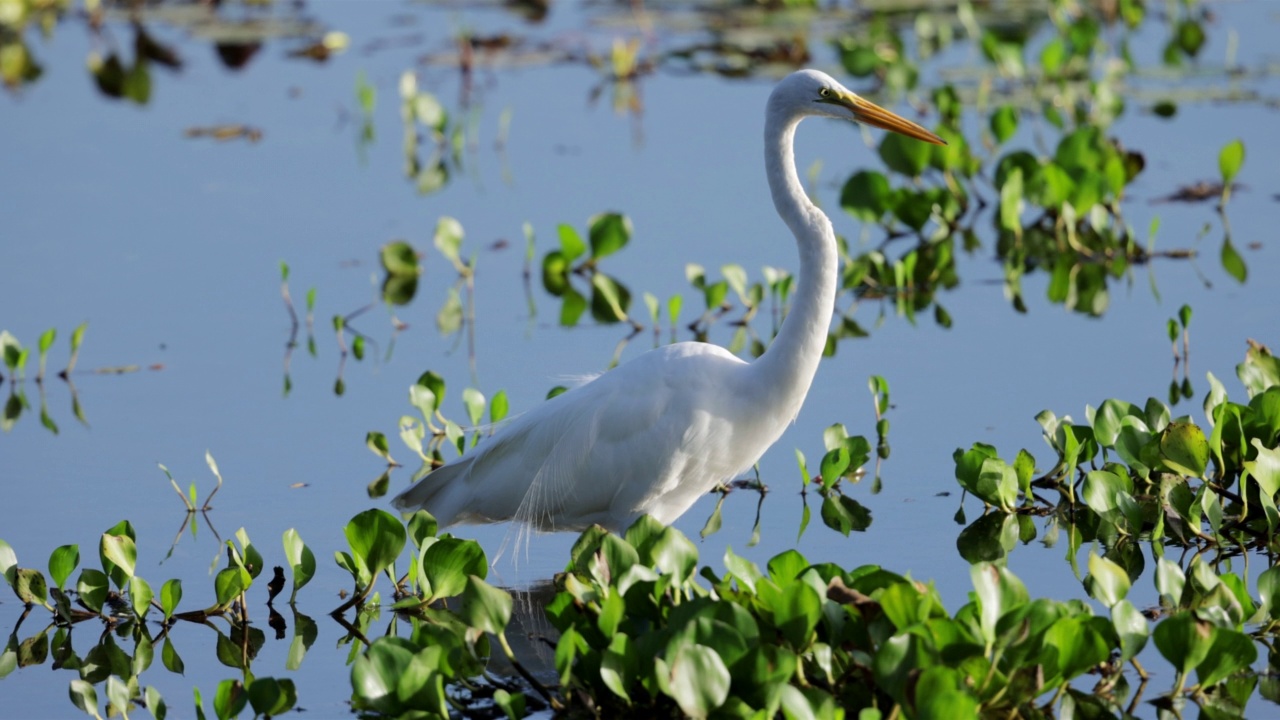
point(656, 433)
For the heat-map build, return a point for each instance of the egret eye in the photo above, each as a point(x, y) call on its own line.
point(824, 93)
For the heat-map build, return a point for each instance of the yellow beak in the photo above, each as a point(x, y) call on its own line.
point(872, 114)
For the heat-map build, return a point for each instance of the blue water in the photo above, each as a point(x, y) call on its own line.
point(169, 248)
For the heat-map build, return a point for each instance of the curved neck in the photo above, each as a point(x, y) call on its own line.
point(786, 369)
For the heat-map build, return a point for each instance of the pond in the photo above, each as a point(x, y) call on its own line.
point(184, 180)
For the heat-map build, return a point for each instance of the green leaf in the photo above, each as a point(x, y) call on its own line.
point(866, 196)
point(609, 299)
point(445, 564)
point(117, 695)
point(1230, 651)
point(498, 407)
point(796, 613)
point(140, 595)
point(1004, 123)
point(380, 485)
point(229, 699)
point(786, 566)
point(422, 525)
point(1184, 449)
point(8, 562)
point(513, 705)
point(1230, 159)
point(156, 704)
point(449, 318)
point(1011, 202)
point(608, 233)
point(834, 436)
point(123, 554)
point(228, 584)
point(170, 596)
point(1103, 491)
point(85, 697)
point(1269, 592)
point(1170, 581)
point(484, 606)
point(396, 290)
point(1232, 262)
point(714, 521)
point(1107, 420)
point(571, 245)
point(250, 558)
point(998, 481)
point(366, 94)
point(612, 607)
point(92, 587)
point(270, 697)
point(904, 155)
point(30, 586)
point(448, 239)
point(736, 276)
point(572, 306)
point(1074, 645)
point(399, 258)
point(998, 591)
point(377, 444)
point(1265, 471)
point(1131, 629)
point(942, 693)
point(305, 632)
point(434, 385)
point(1183, 640)
point(301, 561)
point(376, 538)
point(969, 468)
point(474, 401)
point(1108, 582)
point(672, 554)
point(46, 340)
point(844, 514)
point(746, 572)
point(697, 680)
point(375, 674)
point(1024, 467)
point(14, 354)
point(1259, 371)
point(804, 468)
point(77, 337)
point(62, 562)
point(834, 465)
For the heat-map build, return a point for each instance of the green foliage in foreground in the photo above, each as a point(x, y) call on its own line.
point(1162, 478)
point(639, 629)
point(1164, 481)
point(643, 632)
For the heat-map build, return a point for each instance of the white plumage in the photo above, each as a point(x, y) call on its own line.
point(656, 433)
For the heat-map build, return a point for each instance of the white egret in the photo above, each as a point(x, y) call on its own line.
point(658, 432)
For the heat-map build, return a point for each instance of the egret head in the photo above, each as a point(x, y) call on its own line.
point(814, 93)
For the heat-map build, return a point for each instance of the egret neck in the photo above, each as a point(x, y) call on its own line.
point(785, 371)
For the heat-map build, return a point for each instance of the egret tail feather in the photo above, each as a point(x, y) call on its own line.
point(435, 493)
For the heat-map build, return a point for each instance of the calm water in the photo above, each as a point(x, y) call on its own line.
point(169, 248)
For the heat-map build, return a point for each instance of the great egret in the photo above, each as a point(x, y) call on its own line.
point(655, 434)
